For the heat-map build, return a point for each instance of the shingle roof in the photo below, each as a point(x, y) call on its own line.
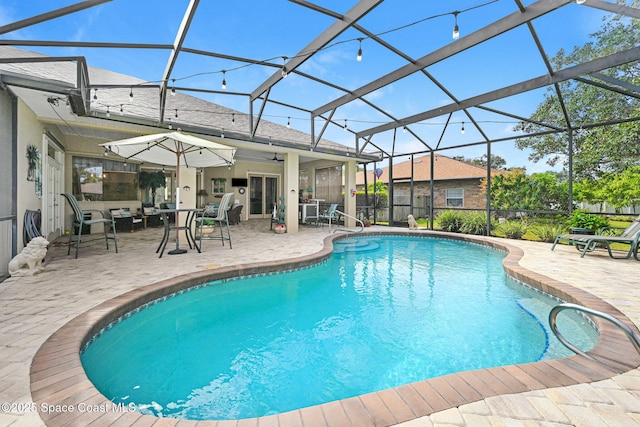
point(190, 110)
point(445, 169)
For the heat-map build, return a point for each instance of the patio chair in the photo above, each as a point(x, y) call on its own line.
point(125, 220)
point(153, 218)
point(221, 218)
point(329, 216)
point(83, 218)
point(588, 242)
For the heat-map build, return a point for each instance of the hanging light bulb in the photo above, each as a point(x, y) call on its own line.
point(131, 93)
point(222, 133)
point(108, 113)
point(106, 151)
point(404, 129)
point(580, 1)
point(176, 113)
point(345, 125)
point(224, 80)
point(95, 94)
point(233, 117)
point(284, 68)
point(288, 122)
point(456, 29)
point(125, 163)
point(359, 56)
point(462, 128)
point(173, 87)
point(121, 108)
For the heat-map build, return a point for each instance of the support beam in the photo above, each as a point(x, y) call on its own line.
point(609, 61)
point(358, 11)
point(50, 15)
point(613, 7)
point(173, 57)
point(510, 22)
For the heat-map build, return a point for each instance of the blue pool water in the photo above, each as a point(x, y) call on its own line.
point(381, 312)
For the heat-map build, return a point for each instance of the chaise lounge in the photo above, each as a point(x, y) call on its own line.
point(587, 243)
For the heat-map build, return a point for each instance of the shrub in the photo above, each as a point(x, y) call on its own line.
point(474, 223)
point(548, 232)
point(450, 221)
point(582, 219)
point(514, 229)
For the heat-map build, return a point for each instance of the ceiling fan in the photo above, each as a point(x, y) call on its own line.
point(276, 159)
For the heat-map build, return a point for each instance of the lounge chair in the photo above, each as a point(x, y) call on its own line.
point(587, 243)
point(83, 218)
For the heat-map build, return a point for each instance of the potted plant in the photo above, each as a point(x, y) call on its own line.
point(208, 226)
point(153, 180)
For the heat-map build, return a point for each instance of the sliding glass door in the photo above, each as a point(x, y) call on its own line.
point(263, 195)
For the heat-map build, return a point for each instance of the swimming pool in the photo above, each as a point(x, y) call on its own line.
point(415, 288)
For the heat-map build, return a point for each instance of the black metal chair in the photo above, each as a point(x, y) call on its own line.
point(82, 218)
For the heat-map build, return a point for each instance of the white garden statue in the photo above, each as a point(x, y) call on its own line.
point(31, 257)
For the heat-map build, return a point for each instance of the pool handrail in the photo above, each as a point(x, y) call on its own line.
point(346, 229)
point(553, 314)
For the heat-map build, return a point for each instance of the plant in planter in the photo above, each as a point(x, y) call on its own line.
point(153, 180)
point(208, 226)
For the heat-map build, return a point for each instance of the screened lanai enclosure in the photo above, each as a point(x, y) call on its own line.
point(402, 86)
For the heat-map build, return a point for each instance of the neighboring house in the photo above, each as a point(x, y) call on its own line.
point(456, 185)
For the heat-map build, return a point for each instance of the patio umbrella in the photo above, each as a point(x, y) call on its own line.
point(174, 148)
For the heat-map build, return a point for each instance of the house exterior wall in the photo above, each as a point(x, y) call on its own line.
point(30, 132)
point(7, 179)
point(474, 198)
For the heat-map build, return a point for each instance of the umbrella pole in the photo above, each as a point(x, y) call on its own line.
point(177, 250)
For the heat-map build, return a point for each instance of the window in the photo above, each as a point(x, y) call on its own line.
point(218, 185)
point(104, 180)
point(455, 197)
point(329, 184)
point(305, 190)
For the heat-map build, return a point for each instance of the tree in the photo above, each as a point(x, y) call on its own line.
point(497, 162)
point(515, 190)
point(619, 189)
point(599, 150)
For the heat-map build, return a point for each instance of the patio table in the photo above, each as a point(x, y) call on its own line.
point(168, 228)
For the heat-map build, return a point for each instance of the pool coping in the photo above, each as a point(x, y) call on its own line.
point(58, 378)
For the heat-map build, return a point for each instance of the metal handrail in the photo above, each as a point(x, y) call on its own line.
point(346, 229)
point(553, 314)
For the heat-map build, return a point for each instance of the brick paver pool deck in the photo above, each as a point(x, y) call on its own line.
point(45, 318)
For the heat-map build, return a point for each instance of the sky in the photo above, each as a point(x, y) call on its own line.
point(272, 29)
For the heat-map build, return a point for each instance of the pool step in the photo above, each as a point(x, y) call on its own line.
point(355, 245)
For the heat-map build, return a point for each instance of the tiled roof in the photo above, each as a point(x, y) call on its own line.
point(445, 169)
